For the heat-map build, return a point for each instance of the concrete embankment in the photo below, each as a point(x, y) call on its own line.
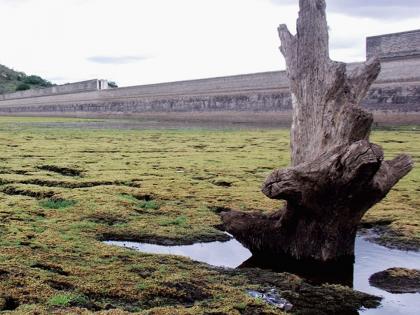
point(394, 95)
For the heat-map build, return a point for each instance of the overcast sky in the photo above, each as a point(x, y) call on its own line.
point(147, 41)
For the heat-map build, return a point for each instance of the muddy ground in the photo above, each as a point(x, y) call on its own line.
point(215, 120)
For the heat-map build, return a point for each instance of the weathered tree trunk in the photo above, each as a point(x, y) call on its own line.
point(336, 173)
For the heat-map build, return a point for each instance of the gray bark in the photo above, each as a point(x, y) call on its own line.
point(336, 173)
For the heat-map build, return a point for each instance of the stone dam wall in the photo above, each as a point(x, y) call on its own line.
point(391, 46)
point(396, 90)
point(83, 86)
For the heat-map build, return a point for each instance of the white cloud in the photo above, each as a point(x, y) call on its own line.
point(375, 9)
point(119, 60)
point(187, 39)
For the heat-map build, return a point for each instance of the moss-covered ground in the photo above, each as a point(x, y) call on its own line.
point(63, 190)
point(397, 280)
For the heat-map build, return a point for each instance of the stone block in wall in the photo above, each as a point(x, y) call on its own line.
point(392, 46)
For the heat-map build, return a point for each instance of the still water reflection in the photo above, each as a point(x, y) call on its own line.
point(370, 258)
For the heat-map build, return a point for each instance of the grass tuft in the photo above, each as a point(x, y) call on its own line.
point(67, 299)
point(57, 203)
point(142, 286)
point(148, 205)
point(179, 221)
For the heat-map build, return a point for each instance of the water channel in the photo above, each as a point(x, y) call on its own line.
point(369, 259)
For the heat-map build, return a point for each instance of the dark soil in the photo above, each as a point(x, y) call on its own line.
point(8, 303)
point(65, 171)
point(77, 184)
point(106, 218)
point(380, 233)
point(137, 236)
point(51, 268)
point(60, 285)
point(311, 299)
point(12, 191)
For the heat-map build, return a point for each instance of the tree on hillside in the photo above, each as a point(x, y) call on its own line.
point(23, 87)
point(337, 174)
point(37, 80)
point(112, 84)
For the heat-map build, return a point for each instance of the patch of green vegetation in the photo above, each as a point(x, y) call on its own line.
point(148, 204)
point(67, 299)
point(180, 221)
point(162, 189)
point(129, 198)
point(142, 202)
point(36, 80)
point(142, 286)
point(11, 81)
point(57, 203)
point(112, 84)
point(241, 306)
point(23, 87)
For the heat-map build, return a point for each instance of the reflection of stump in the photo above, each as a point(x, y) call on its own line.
point(314, 272)
point(336, 173)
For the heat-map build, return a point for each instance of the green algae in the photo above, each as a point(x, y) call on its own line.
point(163, 186)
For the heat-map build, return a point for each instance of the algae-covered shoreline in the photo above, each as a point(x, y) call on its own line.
point(63, 190)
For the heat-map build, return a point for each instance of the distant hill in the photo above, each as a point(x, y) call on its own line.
point(11, 81)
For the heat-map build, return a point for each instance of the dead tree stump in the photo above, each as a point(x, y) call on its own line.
point(336, 173)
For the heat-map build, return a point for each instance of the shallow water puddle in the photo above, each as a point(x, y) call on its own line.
point(370, 258)
point(228, 254)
